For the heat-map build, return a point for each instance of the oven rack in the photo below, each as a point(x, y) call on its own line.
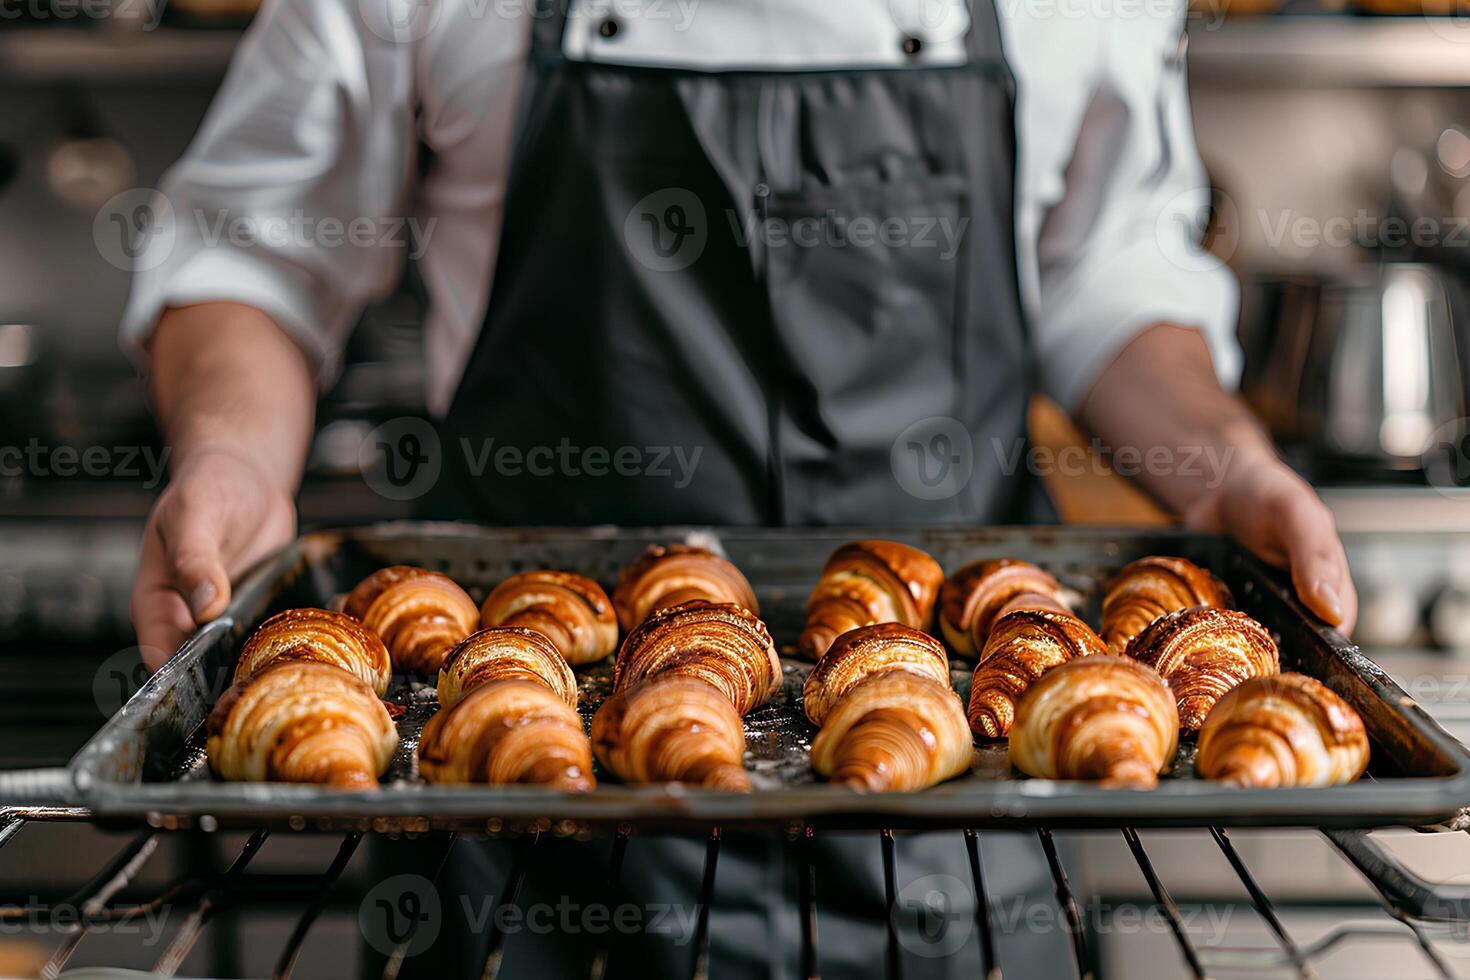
point(1423, 915)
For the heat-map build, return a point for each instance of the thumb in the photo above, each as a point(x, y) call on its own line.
point(192, 548)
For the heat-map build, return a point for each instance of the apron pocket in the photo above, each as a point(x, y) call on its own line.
point(866, 300)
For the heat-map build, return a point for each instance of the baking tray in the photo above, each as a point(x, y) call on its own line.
point(148, 763)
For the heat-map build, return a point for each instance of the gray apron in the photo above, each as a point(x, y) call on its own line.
point(802, 284)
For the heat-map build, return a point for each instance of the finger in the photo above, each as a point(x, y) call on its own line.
point(1319, 568)
point(160, 616)
point(192, 550)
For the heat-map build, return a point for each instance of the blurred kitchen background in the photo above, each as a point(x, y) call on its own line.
point(1337, 140)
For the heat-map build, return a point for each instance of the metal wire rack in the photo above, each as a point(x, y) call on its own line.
point(1423, 915)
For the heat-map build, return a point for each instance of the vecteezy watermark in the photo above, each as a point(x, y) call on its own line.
point(403, 458)
point(933, 459)
point(407, 912)
point(147, 464)
point(1210, 464)
point(1289, 230)
point(934, 916)
point(675, 463)
point(1446, 459)
point(143, 924)
point(139, 14)
point(1198, 229)
point(138, 229)
point(667, 230)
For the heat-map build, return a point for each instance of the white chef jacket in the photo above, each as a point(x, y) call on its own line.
point(296, 194)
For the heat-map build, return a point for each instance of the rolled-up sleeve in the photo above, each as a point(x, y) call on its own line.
point(1117, 245)
point(291, 197)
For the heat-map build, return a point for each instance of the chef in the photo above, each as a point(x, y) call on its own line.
point(822, 252)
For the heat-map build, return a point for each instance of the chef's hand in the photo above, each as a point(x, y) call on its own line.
point(236, 398)
point(1265, 506)
point(219, 515)
point(1160, 392)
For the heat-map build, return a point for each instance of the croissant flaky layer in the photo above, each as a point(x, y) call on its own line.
point(321, 636)
point(672, 729)
point(505, 652)
point(670, 575)
point(725, 645)
point(1101, 717)
point(1288, 730)
point(894, 731)
point(1022, 646)
point(301, 721)
point(1204, 652)
point(420, 615)
point(1146, 589)
point(508, 731)
point(868, 582)
point(979, 594)
point(861, 653)
point(573, 612)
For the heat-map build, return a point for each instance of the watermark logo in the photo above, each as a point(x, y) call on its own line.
point(933, 459)
point(1452, 25)
point(930, 20)
point(119, 677)
point(400, 21)
point(1198, 229)
point(667, 230)
point(940, 908)
point(400, 912)
point(401, 458)
point(1446, 460)
point(135, 230)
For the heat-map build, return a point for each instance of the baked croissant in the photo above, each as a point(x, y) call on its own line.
point(724, 645)
point(867, 582)
point(1103, 717)
point(421, 615)
point(300, 721)
point(1146, 589)
point(503, 652)
point(861, 653)
point(508, 731)
point(674, 728)
point(890, 720)
point(980, 593)
point(1204, 652)
point(1023, 645)
point(321, 636)
point(1289, 730)
point(573, 612)
point(669, 575)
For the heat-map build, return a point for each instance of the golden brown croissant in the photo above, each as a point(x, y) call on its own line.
point(300, 721)
point(508, 731)
point(673, 728)
point(504, 652)
point(1204, 652)
point(1098, 717)
point(669, 575)
point(421, 615)
point(1288, 730)
point(980, 593)
point(724, 645)
point(573, 612)
point(322, 636)
point(860, 653)
point(868, 582)
point(1023, 645)
point(1146, 589)
point(894, 732)
point(890, 720)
